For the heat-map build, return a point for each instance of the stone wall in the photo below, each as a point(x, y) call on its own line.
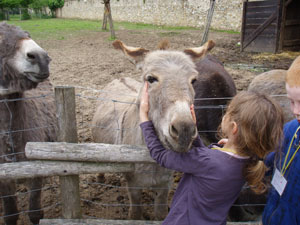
point(227, 14)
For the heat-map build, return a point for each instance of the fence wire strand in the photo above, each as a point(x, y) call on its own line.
point(87, 124)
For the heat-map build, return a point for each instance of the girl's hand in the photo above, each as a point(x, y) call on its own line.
point(193, 113)
point(144, 104)
point(223, 141)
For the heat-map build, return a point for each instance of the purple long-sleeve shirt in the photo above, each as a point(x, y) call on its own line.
point(210, 184)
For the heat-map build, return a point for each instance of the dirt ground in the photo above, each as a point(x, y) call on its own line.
point(88, 61)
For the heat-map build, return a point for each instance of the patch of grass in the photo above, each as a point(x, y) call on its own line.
point(141, 26)
point(14, 17)
point(226, 31)
point(111, 39)
point(56, 28)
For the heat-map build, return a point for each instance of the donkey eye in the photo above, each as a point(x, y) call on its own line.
point(151, 79)
point(193, 81)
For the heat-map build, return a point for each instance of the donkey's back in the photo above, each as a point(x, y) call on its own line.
point(115, 100)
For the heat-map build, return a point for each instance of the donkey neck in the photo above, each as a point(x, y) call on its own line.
point(12, 109)
point(132, 132)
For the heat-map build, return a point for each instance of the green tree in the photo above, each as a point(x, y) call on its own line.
point(55, 4)
point(9, 4)
point(5, 5)
point(25, 5)
point(39, 7)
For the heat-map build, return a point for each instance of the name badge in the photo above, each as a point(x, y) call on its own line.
point(278, 182)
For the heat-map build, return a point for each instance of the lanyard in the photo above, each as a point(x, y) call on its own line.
point(285, 166)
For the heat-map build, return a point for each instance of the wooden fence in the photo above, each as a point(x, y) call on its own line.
point(67, 159)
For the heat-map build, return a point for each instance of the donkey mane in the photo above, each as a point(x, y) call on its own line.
point(9, 37)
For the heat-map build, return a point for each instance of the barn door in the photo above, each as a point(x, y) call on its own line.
point(290, 26)
point(261, 25)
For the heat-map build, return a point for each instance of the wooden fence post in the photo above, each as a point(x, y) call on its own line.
point(66, 115)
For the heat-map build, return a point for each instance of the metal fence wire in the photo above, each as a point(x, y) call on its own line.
point(102, 195)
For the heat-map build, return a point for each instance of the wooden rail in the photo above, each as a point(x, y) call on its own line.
point(88, 152)
point(30, 169)
point(118, 222)
point(62, 159)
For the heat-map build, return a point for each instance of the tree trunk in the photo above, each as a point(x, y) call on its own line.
point(104, 23)
point(111, 25)
point(107, 15)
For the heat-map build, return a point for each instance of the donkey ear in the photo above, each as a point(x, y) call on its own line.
point(136, 55)
point(200, 52)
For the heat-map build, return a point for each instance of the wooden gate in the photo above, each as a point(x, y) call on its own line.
point(270, 26)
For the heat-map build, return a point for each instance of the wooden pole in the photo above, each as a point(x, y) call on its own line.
point(208, 21)
point(111, 25)
point(69, 185)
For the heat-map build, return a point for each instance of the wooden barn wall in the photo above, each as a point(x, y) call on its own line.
point(291, 30)
point(256, 14)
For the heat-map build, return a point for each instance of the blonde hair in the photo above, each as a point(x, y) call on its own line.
point(293, 74)
point(260, 121)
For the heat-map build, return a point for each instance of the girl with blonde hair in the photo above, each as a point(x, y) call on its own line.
point(214, 175)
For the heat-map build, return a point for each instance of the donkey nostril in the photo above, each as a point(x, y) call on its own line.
point(194, 132)
point(174, 131)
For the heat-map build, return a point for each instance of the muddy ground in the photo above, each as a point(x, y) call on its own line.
point(88, 61)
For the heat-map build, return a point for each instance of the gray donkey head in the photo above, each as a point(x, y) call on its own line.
point(170, 75)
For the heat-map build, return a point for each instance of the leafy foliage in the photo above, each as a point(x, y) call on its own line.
point(38, 4)
point(55, 4)
point(9, 3)
point(25, 3)
point(25, 14)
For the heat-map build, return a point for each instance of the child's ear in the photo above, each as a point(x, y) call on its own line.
point(234, 128)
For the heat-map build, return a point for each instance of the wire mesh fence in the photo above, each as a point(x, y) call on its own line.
point(102, 195)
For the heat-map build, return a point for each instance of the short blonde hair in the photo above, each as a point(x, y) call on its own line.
point(293, 74)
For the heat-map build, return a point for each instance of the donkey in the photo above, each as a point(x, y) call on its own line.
point(214, 87)
point(171, 76)
point(23, 116)
point(273, 83)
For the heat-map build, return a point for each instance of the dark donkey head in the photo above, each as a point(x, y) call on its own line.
point(23, 63)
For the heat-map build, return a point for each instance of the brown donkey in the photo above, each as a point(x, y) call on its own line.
point(24, 72)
